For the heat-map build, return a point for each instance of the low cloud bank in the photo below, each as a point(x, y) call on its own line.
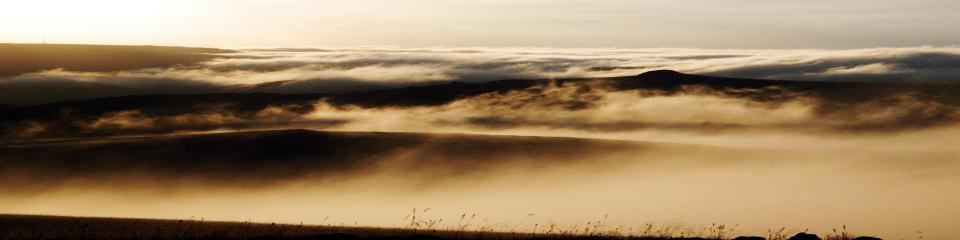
point(309, 70)
point(508, 183)
point(588, 108)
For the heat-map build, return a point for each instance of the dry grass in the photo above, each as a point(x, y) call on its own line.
point(417, 225)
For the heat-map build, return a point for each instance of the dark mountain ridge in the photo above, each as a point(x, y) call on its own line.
point(830, 97)
point(96, 58)
point(435, 94)
point(266, 157)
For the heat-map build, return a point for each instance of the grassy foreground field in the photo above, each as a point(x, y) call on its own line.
point(65, 228)
point(61, 227)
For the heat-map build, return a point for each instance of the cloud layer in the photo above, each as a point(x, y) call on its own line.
point(601, 108)
point(315, 70)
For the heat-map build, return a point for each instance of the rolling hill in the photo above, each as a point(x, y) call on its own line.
point(62, 118)
point(20, 59)
point(263, 158)
point(96, 58)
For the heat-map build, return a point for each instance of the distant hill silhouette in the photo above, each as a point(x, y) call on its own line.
point(16, 59)
point(39, 91)
point(664, 80)
point(830, 96)
point(266, 157)
point(314, 86)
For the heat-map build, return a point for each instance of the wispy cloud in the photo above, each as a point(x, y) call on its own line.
point(338, 70)
point(589, 108)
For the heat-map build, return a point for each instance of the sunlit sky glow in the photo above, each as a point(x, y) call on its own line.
point(490, 23)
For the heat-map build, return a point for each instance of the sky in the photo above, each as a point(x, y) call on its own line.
point(748, 24)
